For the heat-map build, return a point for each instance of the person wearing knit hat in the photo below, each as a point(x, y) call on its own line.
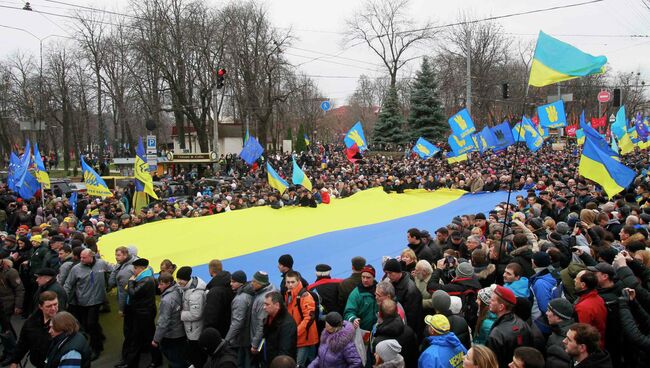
point(486, 318)
point(201, 308)
point(464, 270)
point(218, 350)
point(238, 276)
point(407, 293)
point(238, 333)
point(387, 354)
point(328, 291)
point(361, 307)
point(184, 273)
point(560, 318)
point(443, 347)
point(261, 278)
point(508, 331)
point(285, 264)
point(261, 286)
point(392, 265)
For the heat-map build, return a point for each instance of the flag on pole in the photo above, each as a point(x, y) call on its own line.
point(251, 151)
point(23, 166)
point(39, 172)
point(246, 137)
point(141, 172)
point(454, 159)
point(95, 185)
point(461, 124)
point(552, 115)
point(299, 177)
point(307, 141)
point(556, 61)
point(355, 135)
point(275, 180)
point(424, 148)
point(597, 165)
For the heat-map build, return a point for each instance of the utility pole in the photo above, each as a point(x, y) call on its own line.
point(468, 97)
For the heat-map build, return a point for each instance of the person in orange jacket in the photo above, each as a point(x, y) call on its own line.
point(302, 307)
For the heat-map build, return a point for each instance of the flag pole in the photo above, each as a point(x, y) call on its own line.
point(512, 176)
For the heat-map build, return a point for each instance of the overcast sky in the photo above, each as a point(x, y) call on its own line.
point(319, 29)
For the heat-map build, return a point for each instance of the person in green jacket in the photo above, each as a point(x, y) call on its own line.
point(361, 308)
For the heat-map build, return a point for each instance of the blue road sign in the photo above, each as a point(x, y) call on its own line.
point(325, 105)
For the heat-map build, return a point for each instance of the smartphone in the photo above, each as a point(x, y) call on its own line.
point(449, 260)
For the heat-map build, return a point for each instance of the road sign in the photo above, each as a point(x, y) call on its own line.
point(612, 118)
point(604, 96)
point(325, 105)
point(152, 153)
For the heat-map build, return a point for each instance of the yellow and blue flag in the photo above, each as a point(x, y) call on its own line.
point(556, 61)
point(454, 159)
point(461, 124)
point(143, 180)
point(534, 140)
point(518, 133)
point(614, 146)
point(275, 181)
point(29, 186)
point(580, 137)
point(298, 177)
point(503, 135)
point(251, 151)
point(596, 138)
point(487, 139)
point(552, 115)
point(460, 145)
point(95, 185)
point(307, 141)
point(597, 165)
point(246, 137)
point(424, 148)
point(39, 172)
point(355, 135)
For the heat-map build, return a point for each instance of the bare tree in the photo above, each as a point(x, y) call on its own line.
point(386, 28)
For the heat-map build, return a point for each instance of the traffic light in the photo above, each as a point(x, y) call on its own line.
point(221, 74)
point(504, 91)
point(617, 97)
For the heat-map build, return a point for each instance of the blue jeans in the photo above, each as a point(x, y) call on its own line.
point(305, 355)
point(174, 351)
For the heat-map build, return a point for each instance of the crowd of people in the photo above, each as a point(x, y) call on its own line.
point(559, 277)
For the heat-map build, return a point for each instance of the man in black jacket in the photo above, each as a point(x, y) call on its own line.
point(139, 313)
point(347, 285)
point(508, 331)
point(280, 331)
point(407, 294)
point(582, 344)
point(34, 336)
point(414, 238)
point(46, 281)
point(218, 302)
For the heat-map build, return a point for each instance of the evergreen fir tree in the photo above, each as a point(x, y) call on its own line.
point(289, 134)
point(389, 126)
point(301, 145)
point(426, 118)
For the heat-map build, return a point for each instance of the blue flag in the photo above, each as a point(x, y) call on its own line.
point(534, 140)
point(252, 151)
point(619, 127)
point(487, 139)
point(518, 132)
point(460, 145)
point(552, 115)
point(503, 136)
point(73, 202)
point(424, 148)
point(596, 138)
point(355, 135)
point(461, 124)
point(29, 186)
point(641, 128)
point(14, 161)
point(23, 166)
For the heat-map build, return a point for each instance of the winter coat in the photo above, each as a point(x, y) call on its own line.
point(239, 331)
point(64, 270)
point(395, 328)
point(484, 330)
point(141, 295)
point(443, 351)
point(86, 284)
point(422, 252)
point(61, 345)
point(337, 350)
point(568, 275)
point(427, 302)
point(508, 333)
point(280, 334)
point(519, 287)
point(258, 315)
point(347, 286)
point(590, 308)
point(362, 304)
point(524, 256)
point(465, 288)
point(12, 291)
point(217, 303)
point(119, 278)
point(223, 357)
point(302, 307)
point(55, 287)
point(169, 324)
point(409, 296)
point(542, 284)
point(598, 359)
point(193, 306)
point(486, 275)
point(328, 290)
point(556, 356)
point(34, 339)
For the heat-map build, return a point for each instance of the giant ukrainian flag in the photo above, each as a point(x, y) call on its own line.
point(599, 166)
point(556, 61)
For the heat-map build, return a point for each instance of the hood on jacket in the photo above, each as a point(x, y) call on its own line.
point(519, 287)
point(338, 340)
point(524, 251)
point(195, 283)
point(220, 279)
point(395, 363)
point(447, 340)
point(247, 288)
point(598, 359)
point(485, 271)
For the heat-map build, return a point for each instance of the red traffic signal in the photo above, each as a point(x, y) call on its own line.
point(221, 72)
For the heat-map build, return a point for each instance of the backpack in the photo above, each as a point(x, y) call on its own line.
point(469, 309)
point(317, 314)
